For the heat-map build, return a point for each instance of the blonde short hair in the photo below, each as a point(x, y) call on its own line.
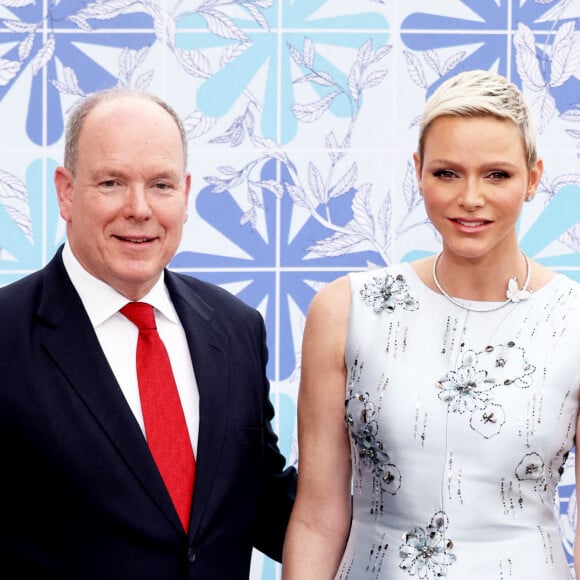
point(480, 93)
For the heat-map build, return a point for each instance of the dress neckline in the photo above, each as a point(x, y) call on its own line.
point(411, 272)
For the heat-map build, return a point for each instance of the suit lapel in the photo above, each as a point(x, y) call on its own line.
point(70, 340)
point(208, 347)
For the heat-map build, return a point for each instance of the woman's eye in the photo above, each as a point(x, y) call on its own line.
point(499, 175)
point(445, 173)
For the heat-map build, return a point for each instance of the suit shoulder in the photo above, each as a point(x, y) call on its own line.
point(20, 293)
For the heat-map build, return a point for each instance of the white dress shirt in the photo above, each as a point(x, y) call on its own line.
point(118, 338)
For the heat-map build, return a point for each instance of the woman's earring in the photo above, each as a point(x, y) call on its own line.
point(530, 196)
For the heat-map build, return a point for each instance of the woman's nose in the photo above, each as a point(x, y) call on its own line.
point(472, 196)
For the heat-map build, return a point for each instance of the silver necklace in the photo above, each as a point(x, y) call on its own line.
point(513, 293)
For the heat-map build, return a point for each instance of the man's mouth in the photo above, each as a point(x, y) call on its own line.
point(135, 240)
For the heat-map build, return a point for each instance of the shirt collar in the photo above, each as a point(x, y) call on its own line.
point(101, 301)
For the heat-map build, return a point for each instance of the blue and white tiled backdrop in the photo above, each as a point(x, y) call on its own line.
point(301, 119)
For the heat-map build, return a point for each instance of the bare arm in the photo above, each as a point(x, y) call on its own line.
point(577, 467)
point(320, 520)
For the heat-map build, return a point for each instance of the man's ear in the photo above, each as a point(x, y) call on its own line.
point(187, 190)
point(63, 182)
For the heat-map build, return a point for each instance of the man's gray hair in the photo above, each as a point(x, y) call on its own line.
point(83, 107)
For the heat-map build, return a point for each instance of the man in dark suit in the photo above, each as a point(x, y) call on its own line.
point(82, 497)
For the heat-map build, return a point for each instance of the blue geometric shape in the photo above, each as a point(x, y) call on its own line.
point(297, 271)
point(490, 30)
point(30, 255)
point(67, 37)
point(218, 94)
point(286, 418)
point(559, 215)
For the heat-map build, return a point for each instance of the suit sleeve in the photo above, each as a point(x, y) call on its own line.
point(279, 489)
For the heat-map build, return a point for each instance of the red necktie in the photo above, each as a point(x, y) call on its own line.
point(165, 426)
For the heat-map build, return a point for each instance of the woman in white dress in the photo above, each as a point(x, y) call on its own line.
point(460, 374)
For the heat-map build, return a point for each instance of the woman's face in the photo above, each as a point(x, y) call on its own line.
point(474, 178)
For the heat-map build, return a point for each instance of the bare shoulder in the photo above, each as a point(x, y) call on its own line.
point(332, 300)
point(327, 324)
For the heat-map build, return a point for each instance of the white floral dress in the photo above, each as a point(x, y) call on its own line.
point(460, 423)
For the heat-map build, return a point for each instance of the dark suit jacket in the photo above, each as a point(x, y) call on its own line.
point(80, 494)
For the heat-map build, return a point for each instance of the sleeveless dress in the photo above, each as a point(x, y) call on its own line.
point(460, 423)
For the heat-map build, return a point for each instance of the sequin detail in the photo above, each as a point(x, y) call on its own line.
point(373, 565)
point(427, 553)
point(388, 293)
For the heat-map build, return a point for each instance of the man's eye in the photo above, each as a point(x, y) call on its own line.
point(108, 183)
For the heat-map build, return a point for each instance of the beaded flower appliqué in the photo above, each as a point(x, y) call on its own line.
point(387, 293)
point(371, 456)
point(469, 388)
point(427, 553)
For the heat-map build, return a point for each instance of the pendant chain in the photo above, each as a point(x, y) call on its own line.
point(513, 293)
